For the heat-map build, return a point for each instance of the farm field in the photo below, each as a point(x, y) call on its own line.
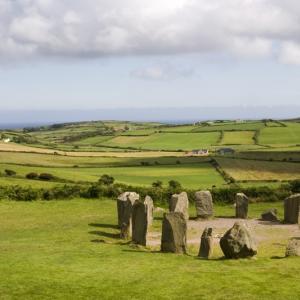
point(281, 136)
point(201, 175)
point(70, 249)
point(241, 169)
point(238, 138)
point(165, 141)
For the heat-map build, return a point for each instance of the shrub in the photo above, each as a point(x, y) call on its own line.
point(32, 175)
point(295, 186)
point(10, 172)
point(46, 176)
point(157, 184)
point(106, 180)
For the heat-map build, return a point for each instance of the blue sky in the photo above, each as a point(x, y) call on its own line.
point(97, 54)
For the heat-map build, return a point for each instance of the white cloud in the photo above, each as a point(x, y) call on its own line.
point(162, 71)
point(290, 53)
point(246, 28)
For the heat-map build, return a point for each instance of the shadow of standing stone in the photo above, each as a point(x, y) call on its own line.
point(124, 205)
point(139, 223)
point(204, 204)
point(174, 230)
point(291, 209)
point(241, 206)
point(206, 244)
point(180, 203)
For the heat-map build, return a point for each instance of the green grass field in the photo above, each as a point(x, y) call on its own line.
point(165, 141)
point(238, 138)
point(281, 136)
point(53, 250)
point(201, 175)
point(241, 169)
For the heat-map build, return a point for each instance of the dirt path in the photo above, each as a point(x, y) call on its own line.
point(262, 230)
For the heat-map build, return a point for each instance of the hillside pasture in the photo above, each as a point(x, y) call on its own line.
point(238, 138)
point(247, 126)
point(242, 169)
point(195, 176)
point(166, 141)
point(281, 136)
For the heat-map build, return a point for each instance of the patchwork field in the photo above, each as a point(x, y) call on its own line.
point(241, 169)
point(201, 175)
point(280, 136)
point(71, 250)
point(238, 138)
point(165, 141)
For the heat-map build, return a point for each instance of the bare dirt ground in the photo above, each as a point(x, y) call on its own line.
point(263, 231)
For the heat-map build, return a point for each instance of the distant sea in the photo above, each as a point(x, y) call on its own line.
point(21, 125)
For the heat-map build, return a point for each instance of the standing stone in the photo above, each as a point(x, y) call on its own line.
point(241, 206)
point(139, 223)
point(291, 209)
point(150, 208)
point(124, 204)
point(237, 242)
point(293, 247)
point(174, 229)
point(204, 204)
point(206, 245)
point(180, 203)
point(270, 215)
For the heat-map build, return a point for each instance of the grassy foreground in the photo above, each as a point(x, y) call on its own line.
point(52, 250)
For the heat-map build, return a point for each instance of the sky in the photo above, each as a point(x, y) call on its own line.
point(101, 54)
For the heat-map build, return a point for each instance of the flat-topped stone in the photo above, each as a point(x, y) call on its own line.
point(204, 204)
point(241, 206)
point(291, 209)
point(174, 230)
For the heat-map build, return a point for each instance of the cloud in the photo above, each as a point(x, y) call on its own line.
point(163, 71)
point(290, 53)
point(98, 28)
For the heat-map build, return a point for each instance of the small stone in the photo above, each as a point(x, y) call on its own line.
point(180, 203)
point(204, 204)
point(241, 208)
point(174, 230)
point(291, 209)
point(293, 247)
point(237, 242)
point(206, 245)
point(270, 215)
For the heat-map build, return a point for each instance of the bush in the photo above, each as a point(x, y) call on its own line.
point(32, 175)
point(157, 184)
point(106, 180)
point(295, 186)
point(10, 172)
point(46, 176)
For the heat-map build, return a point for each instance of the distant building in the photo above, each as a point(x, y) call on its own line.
point(6, 140)
point(225, 151)
point(200, 152)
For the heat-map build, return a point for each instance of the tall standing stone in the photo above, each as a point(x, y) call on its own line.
point(150, 208)
point(180, 203)
point(174, 230)
point(204, 204)
point(139, 223)
point(206, 244)
point(124, 204)
point(238, 242)
point(291, 209)
point(241, 208)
